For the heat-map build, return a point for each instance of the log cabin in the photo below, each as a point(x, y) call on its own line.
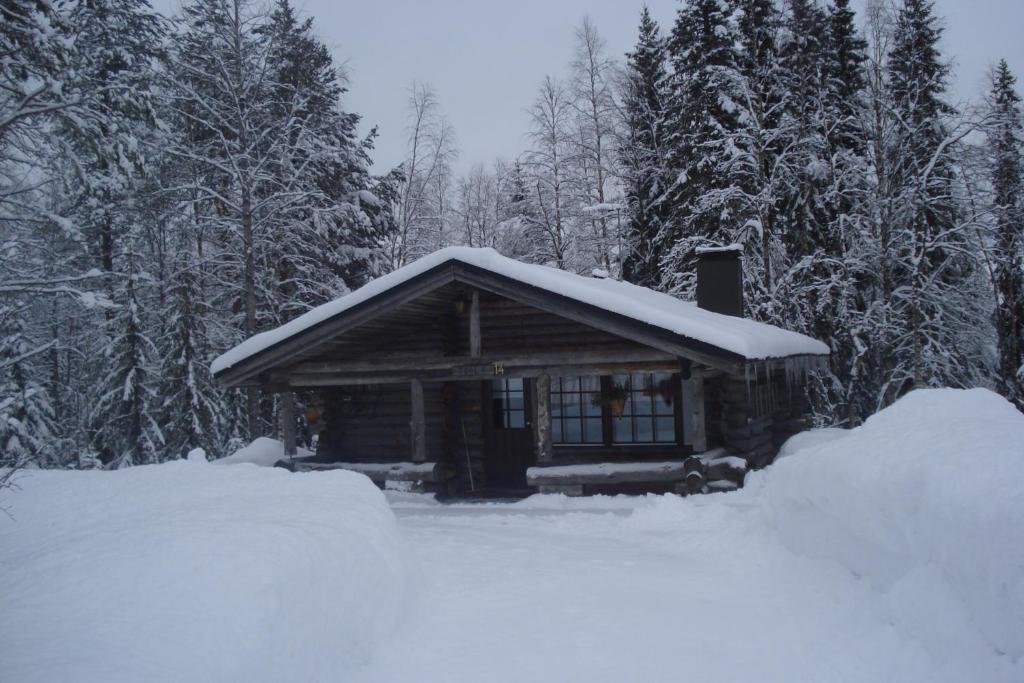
point(469, 373)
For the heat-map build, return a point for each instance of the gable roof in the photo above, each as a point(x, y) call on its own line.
point(738, 338)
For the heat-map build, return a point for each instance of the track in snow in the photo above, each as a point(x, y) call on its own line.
point(624, 589)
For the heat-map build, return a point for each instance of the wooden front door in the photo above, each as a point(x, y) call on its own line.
point(510, 448)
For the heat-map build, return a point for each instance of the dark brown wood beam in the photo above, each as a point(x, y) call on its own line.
point(418, 424)
point(404, 362)
point(474, 325)
point(287, 401)
point(542, 417)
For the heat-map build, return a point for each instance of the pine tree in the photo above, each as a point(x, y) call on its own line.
point(27, 429)
point(936, 340)
point(759, 173)
point(334, 233)
point(516, 213)
point(116, 45)
point(192, 411)
point(642, 155)
point(124, 420)
point(701, 119)
point(845, 57)
point(843, 282)
point(1005, 158)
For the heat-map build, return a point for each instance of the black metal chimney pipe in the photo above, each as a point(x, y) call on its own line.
point(720, 279)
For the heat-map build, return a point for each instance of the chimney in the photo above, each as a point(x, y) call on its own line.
point(720, 279)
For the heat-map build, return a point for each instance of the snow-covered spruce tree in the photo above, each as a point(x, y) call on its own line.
point(27, 430)
point(701, 119)
point(286, 212)
point(642, 155)
point(843, 277)
point(335, 223)
point(758, 176)
point(594, 107)
point(940, 331)
point(807, 266)
point(845, 59)
point(1005, 152)
point(192, 414)
point(516, 212)
point(124, 418)
point(218, 87)
point(116, 43)
point(89, 66)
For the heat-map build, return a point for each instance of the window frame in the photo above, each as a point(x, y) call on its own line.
point(607, 441)
point(501, 403)
point(637, 396)
point(559, 416)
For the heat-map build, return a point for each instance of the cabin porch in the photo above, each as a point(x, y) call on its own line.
point(640, 426)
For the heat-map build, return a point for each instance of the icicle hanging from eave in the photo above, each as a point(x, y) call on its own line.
point(796, 369)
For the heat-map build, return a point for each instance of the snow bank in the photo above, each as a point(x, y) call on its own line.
point(187, 571)
point(926, 502)
point(750, 339)
point(263, 451)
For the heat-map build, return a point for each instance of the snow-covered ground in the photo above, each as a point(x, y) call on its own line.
point(190, 572)
point(894, 552)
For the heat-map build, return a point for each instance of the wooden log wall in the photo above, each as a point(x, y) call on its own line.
point(753, 419)
point(371, 423)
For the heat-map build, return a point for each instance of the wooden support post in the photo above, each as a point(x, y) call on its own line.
point(474, 325)
point(418, 424)
point(542, 417)
point(694, 422)
point(287, 400)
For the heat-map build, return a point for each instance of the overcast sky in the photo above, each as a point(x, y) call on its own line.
point(485, 58)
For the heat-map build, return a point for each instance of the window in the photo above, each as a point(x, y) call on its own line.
point(642, 408)
point(638, 408)
point(576, 410)
point(509, 407)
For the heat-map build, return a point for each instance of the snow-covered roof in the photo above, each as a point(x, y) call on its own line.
point(727, 249)
point(747, 338)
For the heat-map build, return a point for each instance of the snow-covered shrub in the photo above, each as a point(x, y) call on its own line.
point(187, 571)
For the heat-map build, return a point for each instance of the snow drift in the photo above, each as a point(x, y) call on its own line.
point(926, 502)
point(264, 452)
point(186, 571)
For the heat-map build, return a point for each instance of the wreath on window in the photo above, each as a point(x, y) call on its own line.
point(615, 398)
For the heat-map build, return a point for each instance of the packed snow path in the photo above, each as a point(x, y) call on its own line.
point(651, 589)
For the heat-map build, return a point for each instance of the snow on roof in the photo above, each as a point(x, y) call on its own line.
point(729, 248)
point(747, 338)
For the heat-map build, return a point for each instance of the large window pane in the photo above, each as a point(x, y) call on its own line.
point(576, 409)
point(509, 405)
point(642, 404)
point(666, 428)
point(648, 414)
point(643, 429)
point(571, 404)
